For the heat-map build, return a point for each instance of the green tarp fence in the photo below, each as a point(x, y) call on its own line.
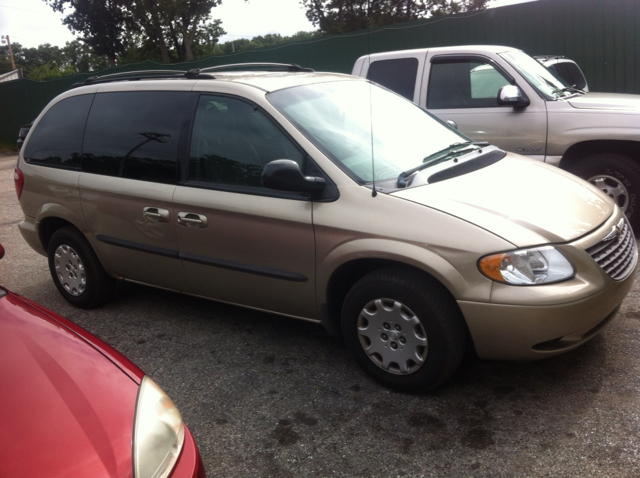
point(603, 36)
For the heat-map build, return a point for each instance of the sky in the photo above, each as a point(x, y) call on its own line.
point(33, 22)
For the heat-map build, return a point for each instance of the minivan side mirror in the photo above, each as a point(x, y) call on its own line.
point(285, 175)
point(511, 95)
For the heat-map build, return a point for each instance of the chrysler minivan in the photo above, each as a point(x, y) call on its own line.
point(326, 198)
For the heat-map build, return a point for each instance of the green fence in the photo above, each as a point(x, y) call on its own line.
point(603, 36)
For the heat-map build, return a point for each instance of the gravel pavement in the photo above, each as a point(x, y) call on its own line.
point(269, 396)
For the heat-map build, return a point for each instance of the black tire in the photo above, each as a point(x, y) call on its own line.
point(394, 298)
point(618, 176)
point(76, 270)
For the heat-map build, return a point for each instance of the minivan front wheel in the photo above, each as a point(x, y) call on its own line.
point(76, 270)
point(404, 329)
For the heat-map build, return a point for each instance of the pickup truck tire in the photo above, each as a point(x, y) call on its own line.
point(616, 175)
point(404, 329)
point(76, 270)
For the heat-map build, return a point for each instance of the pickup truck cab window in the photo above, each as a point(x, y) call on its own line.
point(464, 83)
point(398, 75)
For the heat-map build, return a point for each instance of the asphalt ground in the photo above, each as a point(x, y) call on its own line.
point(269, 396)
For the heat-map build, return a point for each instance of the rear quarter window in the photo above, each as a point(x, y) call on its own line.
point(398, 75)
point(56, 140)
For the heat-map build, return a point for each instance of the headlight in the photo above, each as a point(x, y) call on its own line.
point(158, 432)
point(538, 265)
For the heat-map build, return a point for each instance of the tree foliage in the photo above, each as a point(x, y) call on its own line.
point(172, 27)
point(263, 41)
point(341, 16)
point(47, 61)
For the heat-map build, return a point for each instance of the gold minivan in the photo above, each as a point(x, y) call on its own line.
point(326, 198)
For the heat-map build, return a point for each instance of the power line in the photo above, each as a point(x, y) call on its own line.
point(34, 11)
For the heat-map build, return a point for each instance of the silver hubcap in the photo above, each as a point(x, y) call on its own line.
point(392, 336)
point(613, 188)
point(70, 270)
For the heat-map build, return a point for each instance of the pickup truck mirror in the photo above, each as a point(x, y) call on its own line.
point(285, 175)
point(511, 95)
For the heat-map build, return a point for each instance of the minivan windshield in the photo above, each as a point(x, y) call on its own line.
point(538, 76)
point(361, 126)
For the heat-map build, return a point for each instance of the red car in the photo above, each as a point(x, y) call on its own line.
point(72, 406)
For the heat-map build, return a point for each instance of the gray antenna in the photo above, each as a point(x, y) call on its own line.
point(374, 193)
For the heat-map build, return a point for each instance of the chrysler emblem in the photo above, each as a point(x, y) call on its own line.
point(616, 232)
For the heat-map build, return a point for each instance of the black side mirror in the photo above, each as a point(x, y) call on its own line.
point(285, 175)
point(511, 95)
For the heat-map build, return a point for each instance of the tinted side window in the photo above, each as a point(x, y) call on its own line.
point(135, 134)
point(398, 75)
point(464, 84)
point(57, 138)
point(232, 142)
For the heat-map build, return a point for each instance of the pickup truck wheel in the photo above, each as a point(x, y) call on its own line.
point(616, 175)
point(76, 270)
point(403, 329)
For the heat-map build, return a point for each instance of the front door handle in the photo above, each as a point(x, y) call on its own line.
point(156, 214)
point(191, 219)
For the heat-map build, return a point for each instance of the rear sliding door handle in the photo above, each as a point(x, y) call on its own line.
point(191, 219)
point(156, 214)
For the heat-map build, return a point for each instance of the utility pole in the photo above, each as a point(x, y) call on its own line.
point(5, 39)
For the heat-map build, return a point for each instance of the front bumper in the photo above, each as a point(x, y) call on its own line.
point(527, 333)
point(524, 323)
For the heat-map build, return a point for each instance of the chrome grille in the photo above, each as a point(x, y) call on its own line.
point(616, 255)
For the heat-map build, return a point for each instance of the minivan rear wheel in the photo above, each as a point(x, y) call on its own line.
point(76, 270)
point(404, 329)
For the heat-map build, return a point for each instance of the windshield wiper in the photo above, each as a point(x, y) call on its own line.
point(572, 88)
point(566, 89)
point(440, 156)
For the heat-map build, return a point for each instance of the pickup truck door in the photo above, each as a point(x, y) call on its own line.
point(464, 89)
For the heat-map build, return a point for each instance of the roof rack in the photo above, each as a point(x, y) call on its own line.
point(195, 73)
point(291, 67)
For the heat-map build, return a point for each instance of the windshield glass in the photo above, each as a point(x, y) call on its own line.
point(538, 76)
point(359, 125)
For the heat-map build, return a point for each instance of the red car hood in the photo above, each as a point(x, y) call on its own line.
point(68, 400)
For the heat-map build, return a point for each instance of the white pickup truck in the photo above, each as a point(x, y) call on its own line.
point(505, 97)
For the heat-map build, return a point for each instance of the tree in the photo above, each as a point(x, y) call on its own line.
point(170, 25)
point(186, 18)
point(100, 23)
point(205, 42)
point(49, 71)
point(263, 41)
point(82, 57)
point(340, 16)
point(47, 61)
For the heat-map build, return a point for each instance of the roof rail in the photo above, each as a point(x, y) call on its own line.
point(141, 75)
point(195, 73)
point(292, 67)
